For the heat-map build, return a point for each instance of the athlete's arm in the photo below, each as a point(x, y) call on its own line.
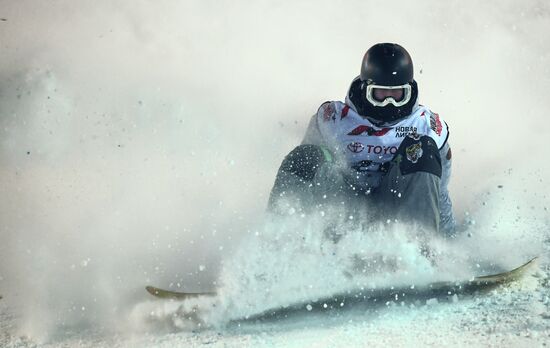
point(447, 221)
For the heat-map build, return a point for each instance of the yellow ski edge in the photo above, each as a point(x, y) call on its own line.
point(174, 295)
point(508, 276)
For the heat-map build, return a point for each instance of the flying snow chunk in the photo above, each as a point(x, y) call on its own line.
point(455, 298)
point(431, 302)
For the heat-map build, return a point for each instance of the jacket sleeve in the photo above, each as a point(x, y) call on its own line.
point(447, 220)
point(313, 135)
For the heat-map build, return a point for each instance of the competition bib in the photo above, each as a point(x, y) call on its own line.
point(367, 148)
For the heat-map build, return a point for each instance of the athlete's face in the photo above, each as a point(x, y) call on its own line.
point(381, 94)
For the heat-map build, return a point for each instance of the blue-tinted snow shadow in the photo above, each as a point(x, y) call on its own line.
point(364, 306)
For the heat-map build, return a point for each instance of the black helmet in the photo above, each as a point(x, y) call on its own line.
point(387, 91)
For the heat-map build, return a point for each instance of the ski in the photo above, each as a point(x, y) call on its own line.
point(505, 277)
point(491, 280)
point(175, 295)
point(478, 283)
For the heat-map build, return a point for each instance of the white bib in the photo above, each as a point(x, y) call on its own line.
point(366, 147)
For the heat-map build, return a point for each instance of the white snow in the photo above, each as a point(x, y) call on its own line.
point(138, 144)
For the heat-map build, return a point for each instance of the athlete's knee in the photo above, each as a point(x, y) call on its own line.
point(419, 154)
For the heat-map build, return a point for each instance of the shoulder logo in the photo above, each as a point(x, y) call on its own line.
point(328, 111)
point(435, 123)
point(414, 152)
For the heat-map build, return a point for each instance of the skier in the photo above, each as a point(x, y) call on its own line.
point(379, 150)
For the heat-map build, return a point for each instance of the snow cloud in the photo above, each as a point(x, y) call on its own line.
point(139, 140)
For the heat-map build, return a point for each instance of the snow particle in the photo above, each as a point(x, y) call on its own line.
point(431, 302)
point(309, 307)
point(202, 267)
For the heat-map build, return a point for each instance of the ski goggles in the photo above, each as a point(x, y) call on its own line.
point(391, 95)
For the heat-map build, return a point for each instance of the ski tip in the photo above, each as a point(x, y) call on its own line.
point(164, 294)
point(508, 276)
point(533, 261)
point(528, 264)
point(152, 290)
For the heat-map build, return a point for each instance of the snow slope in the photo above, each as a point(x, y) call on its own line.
point(516, 317)
point(260, 281)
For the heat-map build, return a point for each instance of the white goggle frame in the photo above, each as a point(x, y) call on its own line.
point(407, 92)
